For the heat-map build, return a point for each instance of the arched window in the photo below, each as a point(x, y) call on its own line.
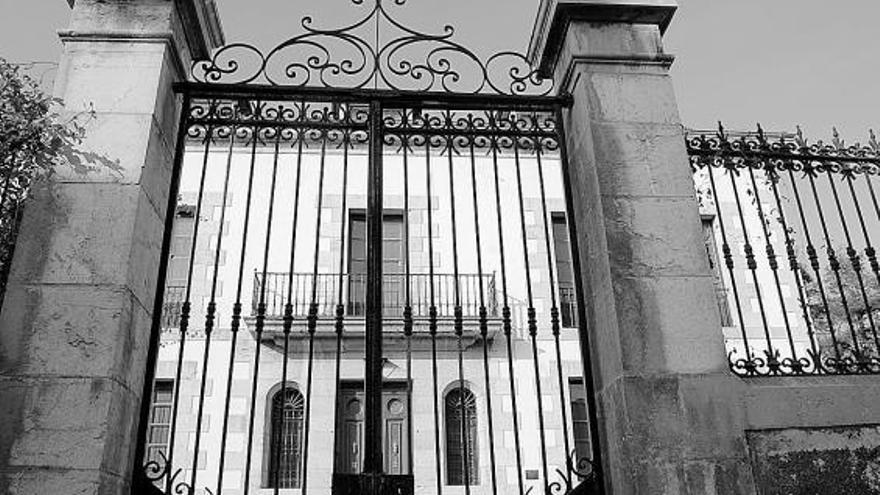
point(461, 451)
point(285, 452)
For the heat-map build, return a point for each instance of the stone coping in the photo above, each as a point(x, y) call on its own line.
point(554, 17)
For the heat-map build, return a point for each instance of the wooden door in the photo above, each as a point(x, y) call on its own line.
point(350, 429)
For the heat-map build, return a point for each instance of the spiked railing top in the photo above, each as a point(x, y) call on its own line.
point(781, 146)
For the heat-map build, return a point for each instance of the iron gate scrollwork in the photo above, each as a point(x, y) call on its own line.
point(419, 339)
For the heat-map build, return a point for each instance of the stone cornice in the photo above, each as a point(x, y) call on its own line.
point(199, 22)
point(554, 17)
point(182, 68)
point(201, 26)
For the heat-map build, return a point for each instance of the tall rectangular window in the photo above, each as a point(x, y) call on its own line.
point(580, 420)
point(178, 266)
point(392, 264)
point(715, 265)
point(159, 425)
point(181, 246)
point(564, 271)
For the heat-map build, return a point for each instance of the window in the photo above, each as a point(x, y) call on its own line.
point(160, 421)
point(564, 271)
point(715, 265)
point(458, 401)
point(181, 246)
point(580, 421)
point(392, 264)
point(178, 266)
point(286, 439)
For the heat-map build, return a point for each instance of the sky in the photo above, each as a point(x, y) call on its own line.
point(777, 62)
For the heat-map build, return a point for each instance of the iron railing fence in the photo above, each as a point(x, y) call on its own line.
point(298, 289)
point(796, 225)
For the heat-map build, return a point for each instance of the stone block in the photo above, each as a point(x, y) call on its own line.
point(811, 402)
point(654, 237)
point(33, 480)
point(832, 461)
point(112, 77)
point(147, 156)
point(641, 160)
point(73, 423)
point(668, 325)
point(64, 331)
point(91, 234)
point(634, 98)
point(675, 435)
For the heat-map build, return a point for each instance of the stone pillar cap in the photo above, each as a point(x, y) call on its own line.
point(201, 25)
point(554, 17)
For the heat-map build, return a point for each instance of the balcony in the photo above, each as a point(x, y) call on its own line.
point(326, 289)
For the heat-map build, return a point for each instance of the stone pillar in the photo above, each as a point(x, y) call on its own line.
point(670, 411)
point(75, 325)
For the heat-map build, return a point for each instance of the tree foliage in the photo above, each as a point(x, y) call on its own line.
point(34, 140)
point(854, 314)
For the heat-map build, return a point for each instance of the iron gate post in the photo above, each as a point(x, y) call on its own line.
point(373, 357)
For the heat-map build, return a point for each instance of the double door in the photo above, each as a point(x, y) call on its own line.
point(350, 428)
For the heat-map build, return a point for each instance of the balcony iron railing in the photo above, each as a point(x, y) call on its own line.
point(299, 287)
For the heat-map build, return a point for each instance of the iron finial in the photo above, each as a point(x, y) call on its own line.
point(761, 136)
point(801, 141)
point(836, 141)
point(721, 133)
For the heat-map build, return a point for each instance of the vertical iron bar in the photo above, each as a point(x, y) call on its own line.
point(532, 321)
point(870, 252)
point(771, 353)
point(313, 308)
point(407, 310)
point(261, 307)
point(211, 313)
point(340, 304)
point(458, 323)
point(750, 366)
point(236, 313)
point(854, 259)
point(156, 327)
point(484, 324)
point(185, 311)
point(774, 267)
point(833, 262)
point(817, 271)
point(554, 309)
point(493, 118)
point(596, 463)
point(288, 308)
point(373, 373)
point(773, 177)
point(432, 309)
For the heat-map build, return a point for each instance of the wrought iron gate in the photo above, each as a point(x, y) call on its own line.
point(424, 335)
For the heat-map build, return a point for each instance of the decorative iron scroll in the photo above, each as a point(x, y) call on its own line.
point(357, 56)
point(817, 202)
